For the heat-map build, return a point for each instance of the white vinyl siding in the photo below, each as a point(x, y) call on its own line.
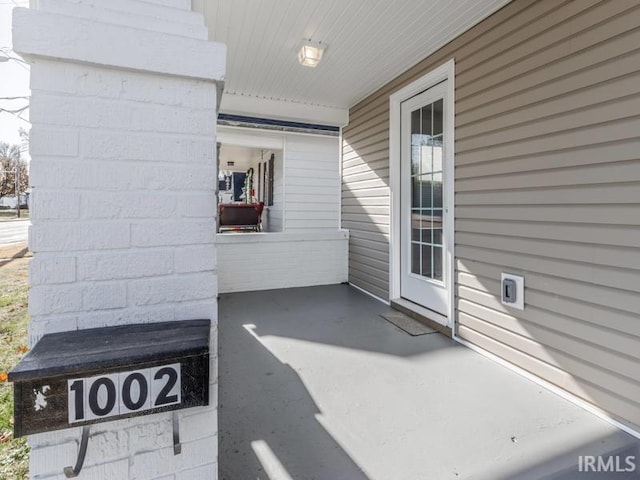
point(312, 178)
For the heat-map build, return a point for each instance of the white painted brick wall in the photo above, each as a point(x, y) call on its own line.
point(123, 179)
point(109, 84)
point(194, 259)
point(148, 8)
point(117, 175)
point(123, 265)
point(184, 231)
point(85, 40)
point(46, 140)
point(126, 18)
point(281, 260)
point(52, 269)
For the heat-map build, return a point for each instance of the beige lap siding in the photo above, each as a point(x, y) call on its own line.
point(547, 179)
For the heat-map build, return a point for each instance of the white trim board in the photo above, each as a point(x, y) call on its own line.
point(375, 297)
point(283, 110)
point(250, 137)
point(446, 72)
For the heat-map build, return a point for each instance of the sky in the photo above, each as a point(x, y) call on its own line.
point(14, 78)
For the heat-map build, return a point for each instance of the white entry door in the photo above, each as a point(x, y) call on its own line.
point(424, 220)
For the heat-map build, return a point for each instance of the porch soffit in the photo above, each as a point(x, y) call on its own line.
point(369, 43)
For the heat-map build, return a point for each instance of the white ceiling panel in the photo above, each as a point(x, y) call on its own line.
point(369, 43)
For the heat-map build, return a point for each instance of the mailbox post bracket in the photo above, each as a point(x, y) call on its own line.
point(82, 452)
point(177, 447)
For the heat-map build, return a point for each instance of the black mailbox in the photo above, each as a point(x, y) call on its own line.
point(82, 377)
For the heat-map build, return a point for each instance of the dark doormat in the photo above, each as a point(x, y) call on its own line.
point(408, 324)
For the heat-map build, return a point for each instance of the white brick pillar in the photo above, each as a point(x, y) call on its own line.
point(123, 178)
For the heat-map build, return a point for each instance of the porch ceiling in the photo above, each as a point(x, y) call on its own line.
point(369, 43)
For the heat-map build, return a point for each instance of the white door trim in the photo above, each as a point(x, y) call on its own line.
point(446, 72)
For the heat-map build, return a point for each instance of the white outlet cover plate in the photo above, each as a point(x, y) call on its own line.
point(519, 280)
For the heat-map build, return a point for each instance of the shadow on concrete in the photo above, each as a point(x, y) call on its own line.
point(336, 315)
point(267, 419)
point(314, 384)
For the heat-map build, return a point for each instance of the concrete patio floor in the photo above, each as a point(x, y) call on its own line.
point(314, 384)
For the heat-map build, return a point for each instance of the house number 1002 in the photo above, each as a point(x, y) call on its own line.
point(122, 393)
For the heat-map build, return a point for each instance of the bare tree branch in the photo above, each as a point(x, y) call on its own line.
point(11, 167)
point(17, 111)
point(17, 115)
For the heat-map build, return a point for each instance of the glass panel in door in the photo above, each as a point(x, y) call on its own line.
point(426, 209)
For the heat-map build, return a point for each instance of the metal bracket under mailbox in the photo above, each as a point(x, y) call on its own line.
point(177, 447)
point(73, 472)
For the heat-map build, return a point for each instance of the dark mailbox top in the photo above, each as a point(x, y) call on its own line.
point(78, 351)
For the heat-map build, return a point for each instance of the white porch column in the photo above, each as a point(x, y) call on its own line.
point(123, 177)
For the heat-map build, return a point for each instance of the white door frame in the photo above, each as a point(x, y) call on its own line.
point(446, 72)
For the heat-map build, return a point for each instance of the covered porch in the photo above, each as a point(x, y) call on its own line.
point(315, 384)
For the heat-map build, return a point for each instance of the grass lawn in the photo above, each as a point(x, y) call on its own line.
point(14, 454)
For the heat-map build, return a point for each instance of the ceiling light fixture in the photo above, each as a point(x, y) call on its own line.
point(310, 53)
